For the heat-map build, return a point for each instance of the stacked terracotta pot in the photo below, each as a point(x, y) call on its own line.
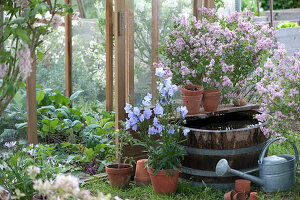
point(192, 97)
point(211, 100)
point(241, 192)
point(141, 175)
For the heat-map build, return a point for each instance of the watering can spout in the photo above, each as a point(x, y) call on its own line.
point(223, 168)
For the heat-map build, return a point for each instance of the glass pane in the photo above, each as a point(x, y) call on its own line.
point(88, 72)
point(142, 48)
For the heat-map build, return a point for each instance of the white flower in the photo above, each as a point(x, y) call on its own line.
point(19, 194)
point(159, 72)
point(33, 171)
point(69, 184)
point(44, 188)
point(10, 144)
point(186, 131)
point(3, 166)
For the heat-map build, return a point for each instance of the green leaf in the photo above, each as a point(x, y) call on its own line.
point(108, 125)
point(21, 125)
point(40, 55)
point(75, 95)
point(40, 96)
point(21, 33)
point(91, 127)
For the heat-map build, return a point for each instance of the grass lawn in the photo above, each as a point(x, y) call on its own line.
point(184, 191)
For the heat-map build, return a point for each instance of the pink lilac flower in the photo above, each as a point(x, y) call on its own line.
point(25, 60)
point(2, 70)
point(56, 21)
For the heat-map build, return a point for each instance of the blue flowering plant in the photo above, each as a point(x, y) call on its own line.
point(160, 128)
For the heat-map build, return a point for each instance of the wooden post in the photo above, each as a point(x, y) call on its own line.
point(209, 3)
point(197, 5)
point(271, 13)
point(31, 104)
point(68, 52)
point(119, 32)
point(129, 50)
point(109, 55)
point(81, 9)
point(155, 38)
point(257, 4)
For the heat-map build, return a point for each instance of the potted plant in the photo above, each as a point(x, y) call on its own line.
point(161, 133)
point(218, 53)
point(119, 174)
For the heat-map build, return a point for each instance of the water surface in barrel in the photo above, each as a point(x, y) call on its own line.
point(223, 122)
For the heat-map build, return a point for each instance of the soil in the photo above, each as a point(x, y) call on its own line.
point(122, 166)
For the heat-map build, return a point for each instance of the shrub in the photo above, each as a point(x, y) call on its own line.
point(279, 93)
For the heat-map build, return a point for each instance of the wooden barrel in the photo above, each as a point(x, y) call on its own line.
point(240, 143)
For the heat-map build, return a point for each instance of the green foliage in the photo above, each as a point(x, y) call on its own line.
point(286, 24)
point(15, 161)
point(280, 4)
point(252, 6)
point(19, 23)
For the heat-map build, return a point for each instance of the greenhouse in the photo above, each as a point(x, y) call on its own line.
point(149, 99)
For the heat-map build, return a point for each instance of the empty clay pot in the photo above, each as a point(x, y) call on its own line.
point(211, 100)
point(119, 177)
point(192, 103)
point(242, 185)
point(141, 175)
point(229, 195)
point(38, 197)
point(253, 196)
point(239, 196)
point(163, 183)
point(191, 90)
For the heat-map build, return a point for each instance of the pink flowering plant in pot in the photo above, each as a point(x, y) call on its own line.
point(217, 52)
point(279, 94)
point(160, 128)
point(22, 35)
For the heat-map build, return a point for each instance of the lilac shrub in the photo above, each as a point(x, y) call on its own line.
point(160, 128)
point(216, 52)
point(21, 37)
point(279, 92)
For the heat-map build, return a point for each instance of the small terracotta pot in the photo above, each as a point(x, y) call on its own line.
point(119, 177)
point(38, 197)
point(191, 90)
point(163, 183)
point(211, 100)
point(229, 195)
point(192, 103)
point(239, 196)
point(242, 185)
point(141, 175)
point(253, 196)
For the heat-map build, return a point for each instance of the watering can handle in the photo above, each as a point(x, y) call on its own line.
point(262, 155)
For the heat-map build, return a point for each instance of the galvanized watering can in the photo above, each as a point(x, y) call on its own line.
point(276, 173)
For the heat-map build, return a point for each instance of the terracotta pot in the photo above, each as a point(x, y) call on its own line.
point(242, 185)
point(38, 197)
point(211, 100)
point(141, 175)
point(119, 177)
point(229, 195)
point(192, 103)
point(163, 183)
point(239, 196)
point(191, 90)
point(253, 196)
